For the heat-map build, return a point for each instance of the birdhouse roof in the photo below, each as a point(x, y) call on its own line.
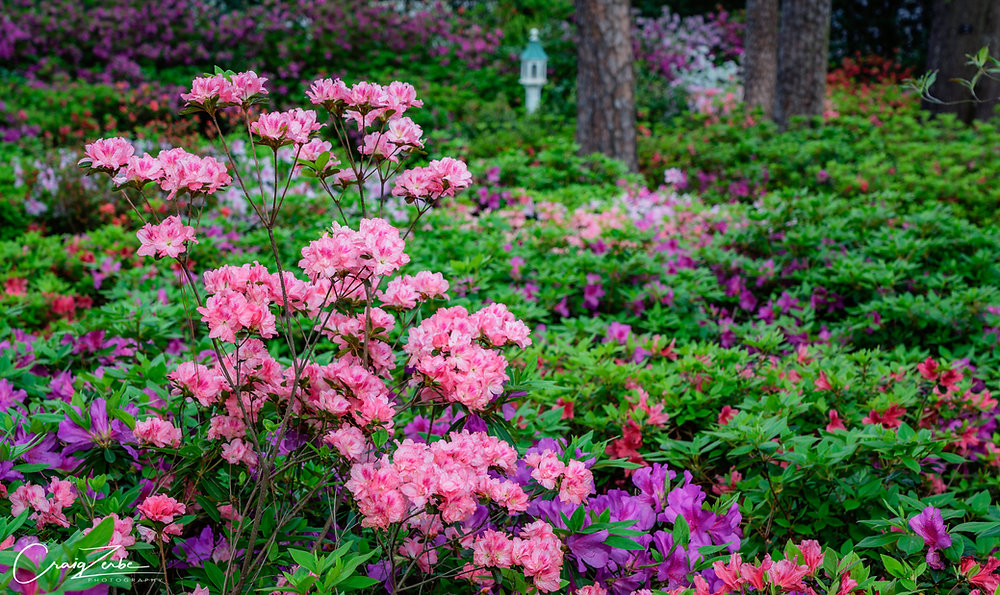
point(534, 51)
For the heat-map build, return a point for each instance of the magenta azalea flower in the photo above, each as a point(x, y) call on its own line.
point(930, 526)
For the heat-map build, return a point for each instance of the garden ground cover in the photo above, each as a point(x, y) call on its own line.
point(773, 353)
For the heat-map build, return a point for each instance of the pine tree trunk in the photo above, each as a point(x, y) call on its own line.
point(962, 27)
point(803, 56)
point(760, 58)
point(605, 81)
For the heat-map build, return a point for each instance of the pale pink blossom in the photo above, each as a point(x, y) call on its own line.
point(158, 432)
point(165, 239)
point(108, 153)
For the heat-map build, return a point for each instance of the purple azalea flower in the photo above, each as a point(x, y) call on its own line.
point(7, 472)
point(687, 501)
point(593, 292)
point(726, 529)
point(44, 452)
point(198, 550)
point(561, 308)
point(640, 354)
point(102, 432)
point(652, 482)
point(930, 526)
point(589, 550)
point(9, 396)
point(674, 567)
point(61, 386)
point(618, 332)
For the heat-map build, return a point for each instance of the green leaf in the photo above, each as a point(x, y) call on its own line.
point(910, 544)
point(893, 566)
point(380, 437)
point(99, 536)
point(878, 540)
point(623, 543)
point(357, 582)
point(976, 526)
point(681, 532)
point(304, 559)
point(215, 574)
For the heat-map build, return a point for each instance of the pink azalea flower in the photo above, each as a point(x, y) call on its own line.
point(158, 432)
point(165, 239)
point(161, 508)
point(108, 153)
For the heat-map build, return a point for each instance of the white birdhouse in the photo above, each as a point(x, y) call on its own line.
point(533, 72)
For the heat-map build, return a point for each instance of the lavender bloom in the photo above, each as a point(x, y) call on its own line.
point(198, 550)
point(102, 432)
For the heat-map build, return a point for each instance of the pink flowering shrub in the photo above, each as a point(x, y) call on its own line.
point(306, 373)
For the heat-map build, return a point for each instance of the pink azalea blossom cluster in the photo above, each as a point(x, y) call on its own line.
point(240, 299)
point(351, 333)
point(343, 392)
point(295, 126)
point(450, 475)
point(402, 136)
point(197, 381)
point(121, 536)
point(164, 239)
point(47, 504)
point(450, 355)
point(158, 432)
point(537, 551)
point(404, 293)
point(239, 452)
point(222, 90)
point(368, 104)
point(575, 481)
point(186, 171)
point(365, 102)
point(786, 575)
point(348, 391)
point(160, 509)
point(174, 170)
point(441, 177)
point(375, 249)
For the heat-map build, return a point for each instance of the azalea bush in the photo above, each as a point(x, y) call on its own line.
point(247, 446)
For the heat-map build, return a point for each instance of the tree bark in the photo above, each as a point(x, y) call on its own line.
point(962, 27)
point(605, 81)
point(760, 57)
point(803, 57)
